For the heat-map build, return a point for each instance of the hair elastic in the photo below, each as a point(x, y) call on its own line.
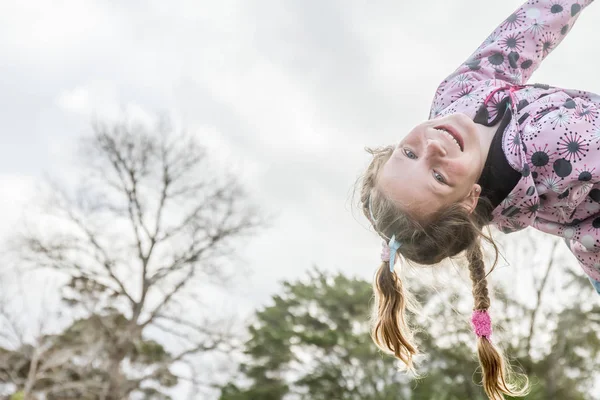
point(481, 323)
point(388, 252)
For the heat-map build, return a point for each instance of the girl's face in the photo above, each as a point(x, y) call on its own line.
point(436, 164)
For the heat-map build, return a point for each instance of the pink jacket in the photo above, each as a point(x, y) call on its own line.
point(553, 139)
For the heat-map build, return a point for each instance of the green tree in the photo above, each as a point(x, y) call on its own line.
point(556, 336)
point(72, 364)
point(312, 342)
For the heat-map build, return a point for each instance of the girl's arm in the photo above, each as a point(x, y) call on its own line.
point(517, 47)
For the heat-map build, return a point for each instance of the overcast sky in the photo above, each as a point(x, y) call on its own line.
point(285, 93)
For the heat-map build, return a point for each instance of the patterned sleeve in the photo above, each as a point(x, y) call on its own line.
point(515, 49)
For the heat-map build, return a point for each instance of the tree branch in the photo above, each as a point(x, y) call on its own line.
point(169, 296)
point(106, 262)
point(539, 291)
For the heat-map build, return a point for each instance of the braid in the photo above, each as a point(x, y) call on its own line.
point(496, 371)
point(477, 272)
point(389, 327)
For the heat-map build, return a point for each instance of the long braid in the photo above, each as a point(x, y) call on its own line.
point(390, 330)
point(477, 272)
point(389, 327)
point(497, 375)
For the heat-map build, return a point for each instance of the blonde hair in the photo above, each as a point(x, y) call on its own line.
point(447, 233)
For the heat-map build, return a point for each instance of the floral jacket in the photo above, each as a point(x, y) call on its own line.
point(553, 138)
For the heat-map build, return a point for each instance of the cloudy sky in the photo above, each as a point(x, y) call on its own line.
point(285, 93)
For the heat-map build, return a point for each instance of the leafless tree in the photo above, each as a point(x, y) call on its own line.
point(151, 225)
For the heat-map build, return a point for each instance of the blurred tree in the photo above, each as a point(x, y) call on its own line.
point(72, 364)
point(313, 343)
point(152, 222)
point(556, 334)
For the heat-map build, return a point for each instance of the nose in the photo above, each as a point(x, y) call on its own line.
point(434, 147)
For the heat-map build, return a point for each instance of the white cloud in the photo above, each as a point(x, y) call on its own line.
point(54, 32)
point(99, 98)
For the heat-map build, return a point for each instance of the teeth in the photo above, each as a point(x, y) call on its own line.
point(450, 136)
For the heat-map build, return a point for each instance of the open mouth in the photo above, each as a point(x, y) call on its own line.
point(453, 135)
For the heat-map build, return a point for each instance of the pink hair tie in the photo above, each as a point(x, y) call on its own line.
point(481, 323)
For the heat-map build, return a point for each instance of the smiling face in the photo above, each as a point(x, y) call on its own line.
point(436, 164)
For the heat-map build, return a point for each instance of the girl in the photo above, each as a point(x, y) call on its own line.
point(494, 151)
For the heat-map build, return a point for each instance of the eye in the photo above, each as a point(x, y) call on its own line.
point(410, 154)
point(439, 177)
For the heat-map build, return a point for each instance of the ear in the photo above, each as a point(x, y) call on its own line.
point(470, 202)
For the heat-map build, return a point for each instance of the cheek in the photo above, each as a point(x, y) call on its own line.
point(461, 167)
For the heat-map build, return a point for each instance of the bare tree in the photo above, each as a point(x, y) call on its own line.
point(151, 225)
